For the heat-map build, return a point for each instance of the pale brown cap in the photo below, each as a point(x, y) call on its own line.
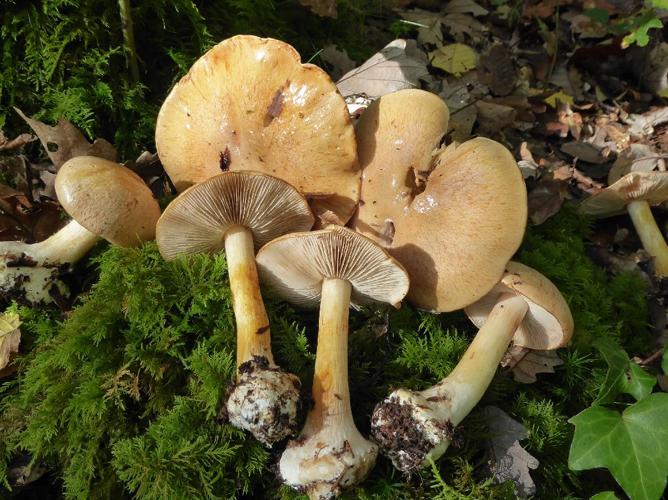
point(295, 265)
point(651, 187)
point(249, 103)
point(396, 139)
point(108, 199)
point(455, 238)
point(548, 323)
point(197, 220)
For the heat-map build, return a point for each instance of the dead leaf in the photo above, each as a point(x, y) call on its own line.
point(338, 61)
point(463, 113)
point(22, 220)
point(496, 70)
point(493, 118)
point(429, 25)
point(643, 125)
point(463, 24)
point(324, 8)
point(545, 200)
point(508, 460)
point(10, 337)
point(65, 141)
point(584, 26)
point(636, 158)
point(455, 58)
point(465, 7)
point(16, 143)
point(587, 151)
point(527, 363)
point(560, 96)
point(400, 65)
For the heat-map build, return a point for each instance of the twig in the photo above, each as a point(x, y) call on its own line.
point(129, 39)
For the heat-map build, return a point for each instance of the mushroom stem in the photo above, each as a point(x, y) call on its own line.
point(412, 427)
point(253, 335)
point(650, 235)
point(330, 453)
point(265, 399)
point(68, 245)
point(331, 395)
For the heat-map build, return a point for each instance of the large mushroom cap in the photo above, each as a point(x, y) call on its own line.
point(249, 103)
point(651, 187)
point(295, 265)
point(548, 323)
point(108, 199)
point(396, 138)
point(455, 237)
point(197, 220)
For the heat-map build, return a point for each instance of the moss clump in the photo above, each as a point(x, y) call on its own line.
point(121, 397)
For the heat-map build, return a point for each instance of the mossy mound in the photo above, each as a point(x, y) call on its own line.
point(122, 396)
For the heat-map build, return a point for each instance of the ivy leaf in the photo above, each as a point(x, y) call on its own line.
point(633, 445)
point(624, 376)
point(455, 58)
point(604, 495)
point(639, 33)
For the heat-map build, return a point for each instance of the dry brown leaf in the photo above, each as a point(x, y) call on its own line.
point(496, 70)
point(508, 460)
point(338, 61)
point(10, 337)
point(545, 200)
point(463, 24)
point(399, 65)
point(587, 151)
point(493, 118)
point(465, 7)
point(527, 363)
point(16, 142)
point(324, 8)
point(430, 24)
point(65, 141)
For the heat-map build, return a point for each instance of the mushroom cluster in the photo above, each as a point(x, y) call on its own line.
point(262, 149)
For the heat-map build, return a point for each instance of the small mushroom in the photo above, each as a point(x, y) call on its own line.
point(238, 212)
point(452, 217)
point(105, 200)
point(249, 103)
point(337, 268)
point(635, 192)
point(412, 427)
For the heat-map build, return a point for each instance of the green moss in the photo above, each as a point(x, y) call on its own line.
point(121, 397)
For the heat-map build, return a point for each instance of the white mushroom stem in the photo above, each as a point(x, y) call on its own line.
point(265, 399)
point(650, 235)
point(32, 270)
point(412, 427)
point(66, 246)
point(253, 335)
point(330, 454)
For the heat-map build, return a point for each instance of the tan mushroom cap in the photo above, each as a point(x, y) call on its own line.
point(249, 103)
point(197, 220)
point(396, 138)
point(548, 323)
point(455, 238)
point(108, 199)
point(295, 265)
point(651, 187)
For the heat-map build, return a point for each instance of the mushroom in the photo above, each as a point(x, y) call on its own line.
point(105, 200)
point(452, 217)
point(412, 427)
point(337, 268)
point(238, 212)
point(249, 103)
point(635, 192)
